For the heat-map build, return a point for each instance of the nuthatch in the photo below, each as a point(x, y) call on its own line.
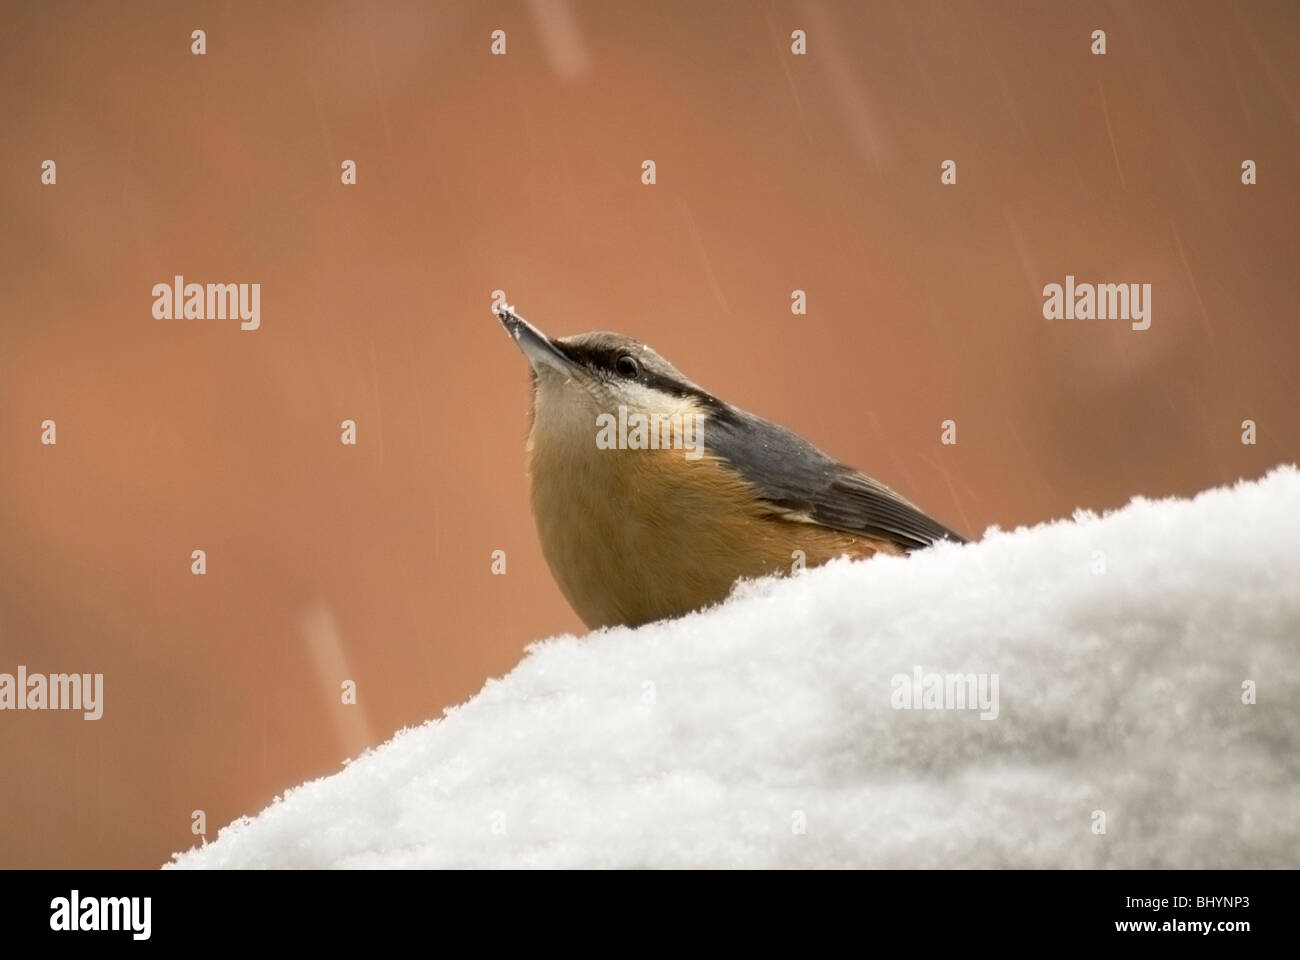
point(638, 530)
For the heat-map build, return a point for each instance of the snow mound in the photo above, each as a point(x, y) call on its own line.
point(766, 732)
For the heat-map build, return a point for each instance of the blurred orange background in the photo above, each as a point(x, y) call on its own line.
point(522, 172)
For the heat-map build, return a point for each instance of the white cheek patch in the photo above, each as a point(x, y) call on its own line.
point(637, 396)
point(623, 415)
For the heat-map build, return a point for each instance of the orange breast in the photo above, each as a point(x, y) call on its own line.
point(638, 535)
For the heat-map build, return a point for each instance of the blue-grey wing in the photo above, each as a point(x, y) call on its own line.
point(803, 483)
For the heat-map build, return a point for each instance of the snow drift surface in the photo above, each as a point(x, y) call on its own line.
point(761, 733)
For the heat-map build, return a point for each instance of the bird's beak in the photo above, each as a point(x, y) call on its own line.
point(537, 347)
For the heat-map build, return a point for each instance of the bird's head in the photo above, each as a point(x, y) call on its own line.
point(578, 379)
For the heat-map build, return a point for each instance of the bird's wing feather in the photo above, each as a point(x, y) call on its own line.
point(804, 484)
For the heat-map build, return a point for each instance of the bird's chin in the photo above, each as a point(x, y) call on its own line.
point(570, 393)
point(559, 380)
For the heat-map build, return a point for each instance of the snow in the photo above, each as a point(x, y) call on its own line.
point(761, 733)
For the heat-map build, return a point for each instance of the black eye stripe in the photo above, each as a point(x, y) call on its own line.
point(603, 360)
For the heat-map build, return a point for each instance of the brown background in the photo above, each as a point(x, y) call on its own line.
point(522, 172)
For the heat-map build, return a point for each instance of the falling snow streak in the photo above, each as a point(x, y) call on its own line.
point(379, 405)
point(783, 56)
point(1026, 259)
point(855, 111)
point(1111, 134)
point(1205, 317)
point(561, 39)
point(704, 258)
point(966, 528)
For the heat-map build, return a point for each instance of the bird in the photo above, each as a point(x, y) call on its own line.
point(635, 530)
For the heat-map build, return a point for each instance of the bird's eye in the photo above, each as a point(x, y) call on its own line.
point(628, 367)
